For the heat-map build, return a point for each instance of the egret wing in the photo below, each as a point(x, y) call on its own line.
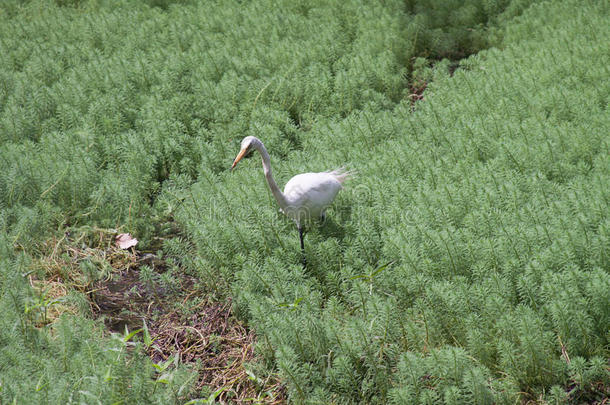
point(312, 191)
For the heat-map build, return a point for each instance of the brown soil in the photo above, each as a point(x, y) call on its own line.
point(205, 334)
point(416, 92)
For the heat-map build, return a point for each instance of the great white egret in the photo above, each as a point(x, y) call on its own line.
point(306, 196)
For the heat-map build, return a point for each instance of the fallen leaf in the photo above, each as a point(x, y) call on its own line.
point(125, 240)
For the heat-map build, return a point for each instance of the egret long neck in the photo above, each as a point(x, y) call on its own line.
point(275, 190)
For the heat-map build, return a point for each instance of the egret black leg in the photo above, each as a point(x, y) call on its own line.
point(302, 245)
point(301, 238)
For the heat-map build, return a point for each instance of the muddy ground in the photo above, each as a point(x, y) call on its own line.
point(182, 320)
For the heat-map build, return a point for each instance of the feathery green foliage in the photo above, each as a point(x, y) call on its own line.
point(467, 263)
point(491, 200)
point(66, 363)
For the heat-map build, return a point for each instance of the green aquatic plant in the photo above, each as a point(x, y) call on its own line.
point(489, 195)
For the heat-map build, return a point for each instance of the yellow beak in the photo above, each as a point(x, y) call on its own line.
point(242, 153)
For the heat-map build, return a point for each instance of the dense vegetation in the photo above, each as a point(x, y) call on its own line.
point(467, 263)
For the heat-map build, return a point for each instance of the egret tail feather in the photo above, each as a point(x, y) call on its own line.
point(342, 175)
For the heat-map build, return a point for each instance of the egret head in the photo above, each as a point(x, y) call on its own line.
point(247, 144)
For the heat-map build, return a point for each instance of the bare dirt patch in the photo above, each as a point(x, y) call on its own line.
point(182, 321)
point(222, 346)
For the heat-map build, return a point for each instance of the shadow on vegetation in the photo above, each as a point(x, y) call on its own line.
point(330, 228)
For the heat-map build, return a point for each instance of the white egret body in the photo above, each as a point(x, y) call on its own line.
point(306, 196)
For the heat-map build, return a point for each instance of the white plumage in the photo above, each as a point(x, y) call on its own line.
point(309, 194)
point(306, 196)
